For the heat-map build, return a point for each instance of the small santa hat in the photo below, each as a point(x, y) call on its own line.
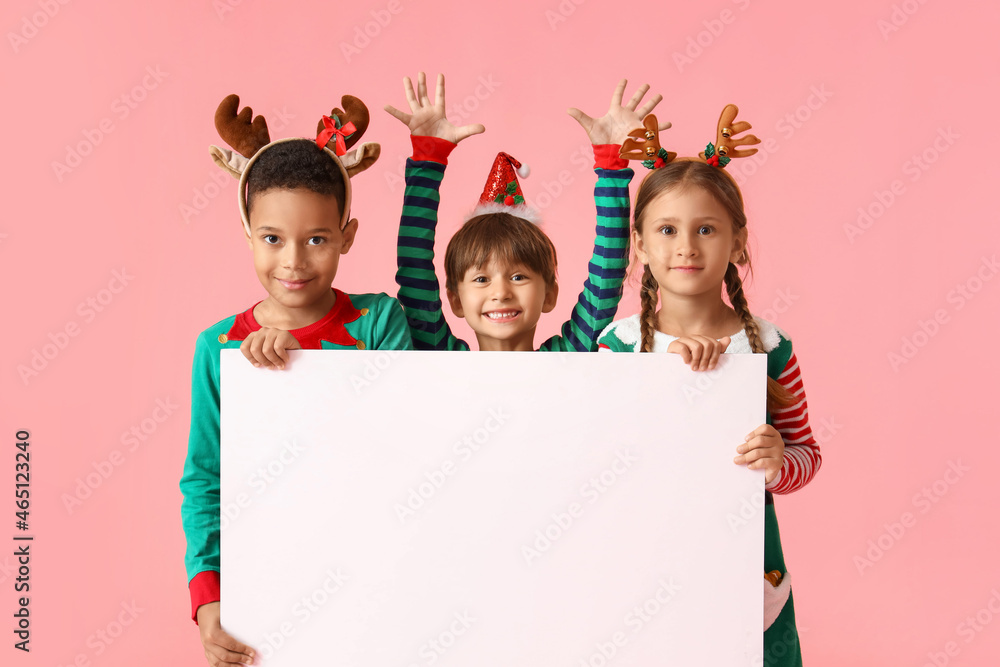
point(502, 193)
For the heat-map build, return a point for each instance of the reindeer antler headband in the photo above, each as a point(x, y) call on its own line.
point(249, 138)
point(644, 142)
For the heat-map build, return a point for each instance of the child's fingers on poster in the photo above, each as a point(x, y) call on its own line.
point(275, 344)
point(288, 342)
point(270, 349)
point(245, 349)
point(703, 351)
point(680, 347)
point(751, 455)
point(225, 650)
point(768, 460)
point(220, 657)
point(689, 349)
point(712, 358)
point(254, 344)
point(761, 430)
point(711, 354)
point(698, 353)
point(713, 350)
point(283, 342)
point(221, 648)
point(764, 449)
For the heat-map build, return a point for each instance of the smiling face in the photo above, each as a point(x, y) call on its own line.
point(503, 304)
point(687, 238)
point(297, 244)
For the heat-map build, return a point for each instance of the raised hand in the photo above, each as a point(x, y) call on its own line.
point(764, 449)
point(614, 126)
point(428, 118)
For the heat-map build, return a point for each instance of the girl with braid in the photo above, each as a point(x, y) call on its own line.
point(690, 236)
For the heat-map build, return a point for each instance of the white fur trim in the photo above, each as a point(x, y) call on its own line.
point(775, 598)
point(519, 210)
point(738, 343)
point(625, 330)
point(770, 334)
point(629, 332)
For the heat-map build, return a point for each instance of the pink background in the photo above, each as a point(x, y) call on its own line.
point(880, 94)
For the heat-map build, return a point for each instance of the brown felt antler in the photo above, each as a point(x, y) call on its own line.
point(355, 112)
point(644, 142)
point(726, 142)
point(237, 130)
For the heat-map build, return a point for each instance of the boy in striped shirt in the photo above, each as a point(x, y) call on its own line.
point(500, 267)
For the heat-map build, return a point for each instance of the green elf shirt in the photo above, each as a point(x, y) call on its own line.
point(801, 461)
point(355, 322)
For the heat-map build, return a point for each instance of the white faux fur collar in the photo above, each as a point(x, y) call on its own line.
point(627, 330)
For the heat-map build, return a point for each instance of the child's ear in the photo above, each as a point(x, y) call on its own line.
point(349, 232)
point(456, 304)
point(738, 255)
point(640, 249)
point(551, 295)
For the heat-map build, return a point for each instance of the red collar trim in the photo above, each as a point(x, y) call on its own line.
point(330, 328)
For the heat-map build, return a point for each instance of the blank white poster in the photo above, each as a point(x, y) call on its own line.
point(408, 509)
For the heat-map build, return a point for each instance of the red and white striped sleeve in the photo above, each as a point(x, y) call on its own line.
point(802, 456)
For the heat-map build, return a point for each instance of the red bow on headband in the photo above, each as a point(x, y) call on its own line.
point(330, 130)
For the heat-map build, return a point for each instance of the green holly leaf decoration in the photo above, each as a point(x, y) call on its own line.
point(518, 199)
point(709, 150)
point(500, 197)
point(723, 160)
point(512, 187)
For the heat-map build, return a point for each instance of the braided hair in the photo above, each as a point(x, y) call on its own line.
point(692, 172)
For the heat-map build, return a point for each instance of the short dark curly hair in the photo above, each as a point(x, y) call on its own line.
point(295, 164)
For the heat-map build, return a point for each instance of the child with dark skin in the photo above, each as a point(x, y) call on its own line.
point(297, 236)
